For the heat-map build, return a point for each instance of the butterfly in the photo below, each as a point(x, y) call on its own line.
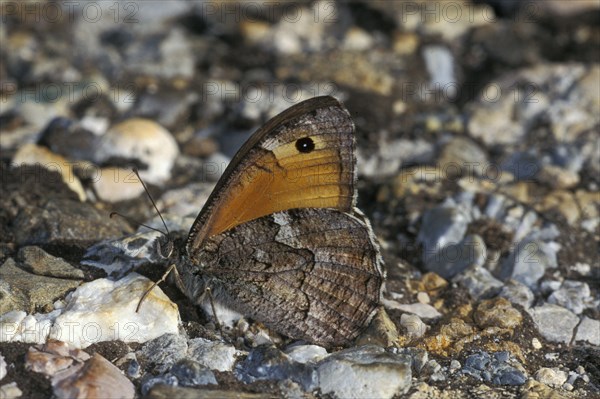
point(280, 239)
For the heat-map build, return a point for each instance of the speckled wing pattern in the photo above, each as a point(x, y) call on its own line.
point(307, 273)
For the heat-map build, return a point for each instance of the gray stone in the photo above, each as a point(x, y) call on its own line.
point(479, 282)
point(528, 263)
point(554, 322)
point(306, 353)
point(553, 377)
point(190, 373)
point(214, 355)
point(39, 291)
point(589, 331)
point(517, 293)
point(3, 367)
point(266, 362)
point(572, 295)
point(64, 220)
point(442, 226)
point(499, 369)
point(163, 352)
point(454, 258)
point(38, 261)
point(463, 157)
point(413, 324)
point(365, 372)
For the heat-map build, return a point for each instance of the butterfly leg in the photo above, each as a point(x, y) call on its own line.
point(208, 293)
point(163, 278)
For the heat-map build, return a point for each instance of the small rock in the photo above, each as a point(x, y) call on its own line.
point(517, 293)
point(462, 157)
point(214, 355)
point(536, 344)
point(163, 351)
point(97, 377)
point(190, 373)
point(433, 370)
point(572, 295)
point(422, 297)
point(60, 220)
point(3, 367)
point(39, 262)
point(381, 331)
point(588, 330)
point(144, 141)
point(439, 62)
point(364, 372)
point(528, 263)
point(497, 312)
point(498, 369)
point(266, 362)
point(422, 310)
point(454, 258)
point(414, 326)
point(557, 177)
point(113, 184)
point(545, 318)
point(38, 291)
point(31, 154)
point(454, 366)
point(306, 353)
point(553, 377)
point(105, 310)
point(10, 391)
point(479, 282)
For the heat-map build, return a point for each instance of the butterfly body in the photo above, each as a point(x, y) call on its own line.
point(280, 240)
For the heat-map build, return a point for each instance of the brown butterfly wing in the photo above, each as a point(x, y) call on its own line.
point(302, 158)
point(307, 273)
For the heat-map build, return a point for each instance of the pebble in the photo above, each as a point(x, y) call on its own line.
point(381, 331)
point(213, 355)
point(364, 372)
point(517, 293)
point(414, 326)
point(306, 353)
point(144, 141)
point(497, 312)
point(59, 220)
point(30, 291)
point(163, 351)
point(422, 310)
point(528, 263)
point(439, 62)
point(39, 262)
point(32, 154)
point(545, 318)
point(588, 331)
point(190, 373)
point(10, 391)
point(462, 157)
point(266, 362)
point(479, 282)
point(498, 368)
point(98, 378)
point(75, 374)
point(573, 295)
point(553, 377)
point(113, 184)
point(3, 367)
point(105, 310)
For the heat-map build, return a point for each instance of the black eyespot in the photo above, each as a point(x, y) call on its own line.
point(305, 145)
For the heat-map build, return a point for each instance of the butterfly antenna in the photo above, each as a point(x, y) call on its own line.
point(136, 222)
point(151, 200)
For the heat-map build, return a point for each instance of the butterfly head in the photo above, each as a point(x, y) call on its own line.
point(165, 247)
